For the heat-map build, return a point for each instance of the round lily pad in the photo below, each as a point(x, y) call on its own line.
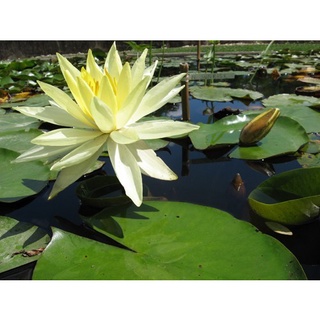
point(167, 240)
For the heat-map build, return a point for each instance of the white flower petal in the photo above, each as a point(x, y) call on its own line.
point(44, 153)
point(65, 65)
point(92, 67)
point(149, 72)
point(113, 62)
point(107, 95)
point(64, 101)
point(66, 137)
point(102, 115)
point(149, 163)
point(157, 129)
point(78, 95)
point(52, 114)
point(138, 68)
point(127, 171)
point(131, 103)
point(85, 95)
point(124, 84)
point(81, 153)
point(124, 136)
point(157, 97)
point(71, 174)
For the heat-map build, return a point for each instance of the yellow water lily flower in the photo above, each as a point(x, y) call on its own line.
point(104, 115)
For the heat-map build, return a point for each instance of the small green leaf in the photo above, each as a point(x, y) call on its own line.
point(223, 132)
point(223, 94)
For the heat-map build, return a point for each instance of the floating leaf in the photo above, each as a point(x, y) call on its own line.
point(307, 160)
point(226, 131)
point(223, 94)
point(18, 141)
point(6, 81)
point(17, 241)
point(286, 136)
point(299, 108)
point(291, 197)
point(310, 80)
point(38, 100)
point(16, 121)
point(223, 132)
point(20, 180)
point(168, 240)
point(290, 100)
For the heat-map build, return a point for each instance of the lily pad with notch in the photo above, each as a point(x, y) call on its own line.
point(168, 240)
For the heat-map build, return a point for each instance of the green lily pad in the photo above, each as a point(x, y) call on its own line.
point(226, 131)
point(20, 243)
point(223, 94)
point(290, 100)
point(299, 108)
point(286, 136)
point(38, 100)
point(20, 180)
point(292, 197)
point(16, 121)
point(18, 141)
point(308, 160)
point(168, 240)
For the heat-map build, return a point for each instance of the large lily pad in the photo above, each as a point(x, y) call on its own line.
point(20, 243)
point(223, 94)
point(168, 240)
point(20, 180)
point(292, 197)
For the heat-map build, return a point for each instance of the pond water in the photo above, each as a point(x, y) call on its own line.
point(204, 178)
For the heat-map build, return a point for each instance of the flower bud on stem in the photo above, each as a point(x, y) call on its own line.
point(259, 127)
